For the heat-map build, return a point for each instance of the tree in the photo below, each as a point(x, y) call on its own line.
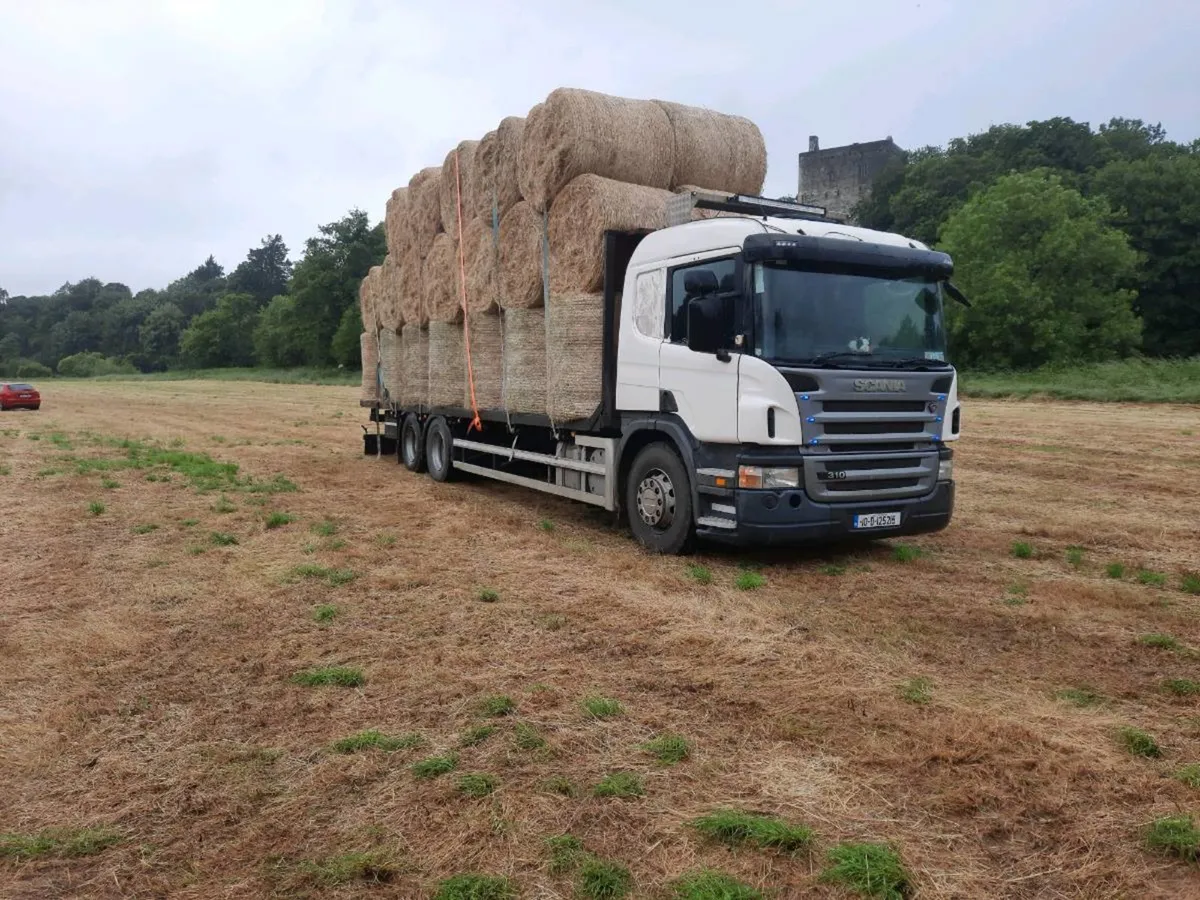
point(325, 282)
point(159, 336)
point(209, 270)
point(10, 346)
point(222, 336)
point(347, 344)
point(278, 341)
point(1045, 274)
point(265, 272)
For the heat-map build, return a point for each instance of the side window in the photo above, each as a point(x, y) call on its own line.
point(648, 303)
point(723, 269)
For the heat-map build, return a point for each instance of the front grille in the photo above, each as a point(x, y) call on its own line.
point(871, 448)
point(888, 484)
point(874, 427)
point(873, 406)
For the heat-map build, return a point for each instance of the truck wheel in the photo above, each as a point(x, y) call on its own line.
point(412, 444)
point(438, 446)
point(658, 497)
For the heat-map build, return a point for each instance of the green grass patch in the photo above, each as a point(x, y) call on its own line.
point(1189, 583)
point(1130, 380)
point(546, 525)
point(476, 887)
point(873, 870)
point(1081, 696)
point(734, 827)
point(487, 595)
point(1138, 742)
point(300, 375)
point(373, 739)
point(565, 851)
point(5, 470)
point(339, 676)
point(370, 867)
point(497, 705)
point(57, 842)
point(325, 613)
point(190, 523)
point(619, 784)
point(279, 519)
point(1151, 578)
point(1022, 550)
point(109, 484)
point(197, 550)
point(385, 540)
point(1175, 835)
point(1160, 642)
point(335, 577)
point(477, 735)
point(477, 784)
point(833, 570)
point(559, 785)
point(222, 539)
point(602, 879)
point(749, 581)
point(602, 707)
point(338, 544)
point(1182, 687)
point(526, 737)
point(906, 553)
point(668, 749)
point(1075, 556)
point(326, 528)
point(1115, 570)
point(96, 508)
point(918, 690)
point(433, 766)
point(1189, 775)
point(223, 506)
point(700, 574)
point(144, 529)
point(708, 885)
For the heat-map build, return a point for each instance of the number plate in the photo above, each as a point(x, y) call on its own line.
point(877, 520)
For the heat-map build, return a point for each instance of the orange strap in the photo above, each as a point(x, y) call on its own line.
point(462, 285)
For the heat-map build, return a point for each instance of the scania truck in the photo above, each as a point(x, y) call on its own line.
point(769, 376)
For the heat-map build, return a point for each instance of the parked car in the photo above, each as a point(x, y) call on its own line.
point(19, 395)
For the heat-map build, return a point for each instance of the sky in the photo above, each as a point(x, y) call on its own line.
point(139, 136)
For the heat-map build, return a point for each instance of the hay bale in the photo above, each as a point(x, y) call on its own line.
point(574, 354)
point(424, 219)
point(366, 302)
point(520, 262)
point(447, 364)
point(484, 334)
point(716, 151)
point(579, 132)
point(391, 362)
point(479, 248)
point(582, 212)
point(414, 365)
point(450, 184)
point(524, 359)
point(496, 163)
point(439, 281)
point(395, 220)
point(368, 348)
point(409, 299)
point(389, 311)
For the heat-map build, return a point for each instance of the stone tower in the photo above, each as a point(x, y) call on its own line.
point(837, 178)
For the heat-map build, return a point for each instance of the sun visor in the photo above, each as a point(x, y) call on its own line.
point(842, 255)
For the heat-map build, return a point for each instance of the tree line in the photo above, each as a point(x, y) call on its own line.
point(266, 312)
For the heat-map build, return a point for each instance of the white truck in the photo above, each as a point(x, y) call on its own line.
point(769, 376)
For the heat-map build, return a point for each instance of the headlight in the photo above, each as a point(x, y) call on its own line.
point(946, 470)
point(771, 477)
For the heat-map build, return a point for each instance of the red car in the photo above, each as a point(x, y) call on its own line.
point(19, 395)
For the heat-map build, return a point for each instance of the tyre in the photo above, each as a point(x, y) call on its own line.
point(658, 498)
point(412, 444)
point(439, 444)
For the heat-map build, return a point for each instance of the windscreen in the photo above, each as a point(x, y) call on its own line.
point(20, 387)
point(806, 317)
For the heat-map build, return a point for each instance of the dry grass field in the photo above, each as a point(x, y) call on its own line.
point(956, 707)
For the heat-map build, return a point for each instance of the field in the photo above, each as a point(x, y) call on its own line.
point(315, 674)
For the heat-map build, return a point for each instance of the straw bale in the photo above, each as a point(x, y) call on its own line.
point(391, 360)
point(524, 357)
point(520, 263)
point(439, 281)
point(414, 369)
point(424, 218)
point(582, 212)
point(395, 220)
point(479, 247)
point(449, 187)
point(368, 347)
point(389, 311)
point(447, 364)
point(716, 151)
point(483, 332)
point(412, 307)
point(496, 162)
point(578, 132)
point(366, 302)
point(574, 355)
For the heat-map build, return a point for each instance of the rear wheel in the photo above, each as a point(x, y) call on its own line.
point(658, 498)
point(412, 444)
point(438, 445)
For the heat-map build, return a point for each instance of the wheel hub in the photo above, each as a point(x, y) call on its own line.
point(656, 499)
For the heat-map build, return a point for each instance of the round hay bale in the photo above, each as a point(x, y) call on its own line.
point(424, 210)
point(483, 332)
point(578, 132)
point(390, 313)
point(391, 360)
point(412, 307)
point(483, 293)
point(414, 367)
point(395, 220)
point(447, 364)
point(496, 162)
point(574, 355)
point(716, 151)
point(524, 358)
point(439, 281)
point(368, 348)
point(450, 184)
point(366, 303)
point(520, 263)
point(582, 212)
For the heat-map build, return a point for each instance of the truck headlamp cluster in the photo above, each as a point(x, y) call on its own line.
point(769, 478)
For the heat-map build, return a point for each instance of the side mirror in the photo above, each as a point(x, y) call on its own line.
point(706, 324)
point(956, 294)
point(699, 282)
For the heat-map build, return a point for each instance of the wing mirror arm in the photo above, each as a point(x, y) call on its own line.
point(957, 295)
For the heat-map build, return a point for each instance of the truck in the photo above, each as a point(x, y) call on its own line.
point(769, 376)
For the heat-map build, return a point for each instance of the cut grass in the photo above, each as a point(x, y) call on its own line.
point(602, 879)
point(906, 553)
point(96, 508)
point(1138, 742)
point(477, 735)
point(602, 707)
point(734, 828)
point(339, 676)
point(918, 690)
point(433, 766)
point(279, 519)
point(373, 739)
point(619, 784)
point(749, 581)
point(1022, 550)
point(873, 870)
point(526, 737)
point(1129, 380)
point(222, 539)
point(1081, 696)
point(700, 574)
point(477, 784)
point(1175, 835)
point(559, 785)
point(708, 885)
point(325, 613)
point(471, 886)
point(224, 505)
point(372, 867)
point(487, 595)
point(668, 749)
point(144, 529)
point(58, 842)
point(1160, 642)
point(1182, 687)
point(1189, 775)
point(497, 705)
point(385, 540)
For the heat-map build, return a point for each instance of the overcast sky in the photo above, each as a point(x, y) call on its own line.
point(138, 136)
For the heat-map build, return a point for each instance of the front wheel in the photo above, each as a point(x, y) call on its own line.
point(412, 444)
point(438, 446)
point(658, 498)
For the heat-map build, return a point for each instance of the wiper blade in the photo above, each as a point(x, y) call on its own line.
point(915, 362)
point(824, 359)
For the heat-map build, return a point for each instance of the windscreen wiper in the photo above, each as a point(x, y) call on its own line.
point(829, 360)
point(916, 363)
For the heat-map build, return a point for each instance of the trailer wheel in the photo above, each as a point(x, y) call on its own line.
point(412, 444)
point(658, 498)
point(439, 444)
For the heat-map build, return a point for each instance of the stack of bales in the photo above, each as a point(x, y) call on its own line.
point(498, 253)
